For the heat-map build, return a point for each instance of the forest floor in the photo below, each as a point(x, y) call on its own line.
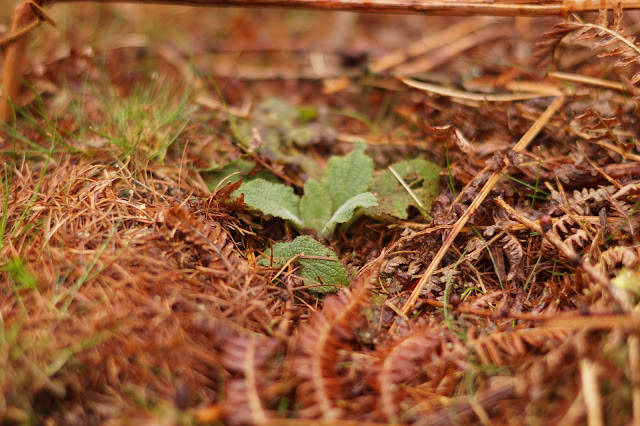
point(495, 281)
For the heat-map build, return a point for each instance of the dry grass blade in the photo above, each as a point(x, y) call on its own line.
point(590, 81)
point(453, 50)
point(480, 97)
point(592, 400)
point(634, 366)
point(594, 322)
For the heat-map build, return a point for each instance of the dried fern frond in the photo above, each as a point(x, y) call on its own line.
point(427, 352)
point(593, 125)
point(205, 235)
point(579, 240)
point(248, 357)
point(585, 202)
point(628, 190)
point(602, 34)
point(619, 255)
point(515, 254)
point(320, 340)
point(507, 347)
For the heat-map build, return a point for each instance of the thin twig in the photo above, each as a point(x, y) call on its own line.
point(589, 81)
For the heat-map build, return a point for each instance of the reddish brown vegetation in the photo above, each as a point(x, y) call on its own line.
point(129, 289)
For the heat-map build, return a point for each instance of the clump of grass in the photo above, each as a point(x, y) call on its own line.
point(142, 126)
point(136, 129)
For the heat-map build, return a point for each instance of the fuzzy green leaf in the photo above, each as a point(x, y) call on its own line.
point(345, 212)
point(270, 198)
point(315, 205)
point(345, 177)
point(324, 205)
point(393, 198)
point(312, 271)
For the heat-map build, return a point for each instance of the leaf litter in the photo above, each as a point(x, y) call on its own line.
point(133, 287)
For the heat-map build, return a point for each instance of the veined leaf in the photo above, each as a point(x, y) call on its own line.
point(313, 271)
point(315, 205)
point(270, 198)
point(345, 212)
point(422, 177)
point(324, 205)
point(345, 177)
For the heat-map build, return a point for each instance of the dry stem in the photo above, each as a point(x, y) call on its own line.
point(450, 7)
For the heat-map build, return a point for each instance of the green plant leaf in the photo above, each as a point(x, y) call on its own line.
point(229, 173)
point(422, 176)
point(315, 205)
point(272, 198)
point(324, 205)
point(345, 177)
point(345, 212)
point(312, 271)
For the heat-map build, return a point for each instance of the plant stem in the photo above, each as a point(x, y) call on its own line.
point(437, 7)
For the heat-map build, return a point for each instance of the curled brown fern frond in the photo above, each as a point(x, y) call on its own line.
point(222, 199)
point(326, 334)
point(603, 34)
point(579, 240)
point(564, 224)
point(594, 126)
point(488, 300)
point(545, 50)
point(515, 254)
point(618, 256)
